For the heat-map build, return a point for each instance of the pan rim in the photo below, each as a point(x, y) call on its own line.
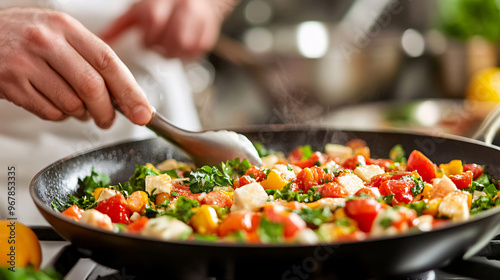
point(268, 128)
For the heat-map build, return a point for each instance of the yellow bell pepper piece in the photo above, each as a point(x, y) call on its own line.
point(205, 220)
point(137, 201)
point(230, 194)
point(455, 167)
point(313, 205)
point(433, 205)
point(97, 192)
point(152, 167)
point(273, 181)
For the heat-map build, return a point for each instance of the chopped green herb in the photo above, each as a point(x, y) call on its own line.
point(182, 209)
point(94, 181)
point(234, 168)
point(270, 232)
point(385, 222)
point(307, 152)
point(172, 173)
point(397, 154)
point(205, 178)
point(315, 216)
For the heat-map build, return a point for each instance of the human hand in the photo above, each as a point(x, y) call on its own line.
point(174, 28)
point(52, 66)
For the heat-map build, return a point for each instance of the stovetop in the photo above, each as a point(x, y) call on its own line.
point(74, 265)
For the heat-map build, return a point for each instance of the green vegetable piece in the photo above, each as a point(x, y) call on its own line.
point(315, 216)
point(307, 152)
point(205, 178)
point(94, 181)
point(182, 209)
point(234, 168)
point(270, 232)
point(397, 154)
point(138, 181)
point(385, 222)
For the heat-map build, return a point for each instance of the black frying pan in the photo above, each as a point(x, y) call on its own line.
point(381, 257)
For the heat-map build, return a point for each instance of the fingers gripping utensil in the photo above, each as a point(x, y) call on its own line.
point(206, 147)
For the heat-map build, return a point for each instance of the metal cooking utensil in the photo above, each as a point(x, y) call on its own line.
point(206, 147)
point(489, 127)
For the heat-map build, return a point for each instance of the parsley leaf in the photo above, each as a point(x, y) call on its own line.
point(182, 209)
point(287, 194)
point(205, 178)
point(138, 181)
point(94, 181)
point(235, 167)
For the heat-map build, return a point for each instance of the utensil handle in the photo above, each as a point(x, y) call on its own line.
point(489, 127)
point(161, 126)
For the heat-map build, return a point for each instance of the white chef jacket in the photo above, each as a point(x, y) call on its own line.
point(29, 143)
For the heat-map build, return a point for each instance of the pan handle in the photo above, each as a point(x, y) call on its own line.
point(489, 127)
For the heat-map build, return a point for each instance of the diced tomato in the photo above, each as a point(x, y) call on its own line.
point(463, 180)
point(367, 191)
point(315, 158)
point(137, 226)
point(424, 166)
point(242, 181)
point(354, 161)
point(477, 170)
point(384, 163)
point(137, 201)
point(73, 212)
point(400, 175)
point(377, 180)
point(116, 208)
point(256, 173)
point(294, 205)
point(235, 221)
point(363, 211)
point(295, 155)
point(310, 177)
point(400, 188)
point(333, 189)
point(194, 196)
point(292, 223)
point(217, 198)
point(181, 190)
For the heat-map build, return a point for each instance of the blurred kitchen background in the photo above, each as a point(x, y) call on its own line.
point(366, 64)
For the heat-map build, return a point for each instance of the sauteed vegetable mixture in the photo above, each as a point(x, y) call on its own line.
point(305, 197)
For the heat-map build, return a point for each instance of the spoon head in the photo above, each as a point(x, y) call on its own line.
point(220, 146)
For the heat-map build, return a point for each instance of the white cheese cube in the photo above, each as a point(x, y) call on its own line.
point(338, 151)
point(351, 183)
point(159, 184)
point(286, 173)
point(95, 218)
point(269, 161)
point(331, 203)
point(136, 216)
point(366, 172)
point(250, 197)
point(106, 193)
point(307, 236)
point(442, 187)
point(166, 228)
point(454, 205)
